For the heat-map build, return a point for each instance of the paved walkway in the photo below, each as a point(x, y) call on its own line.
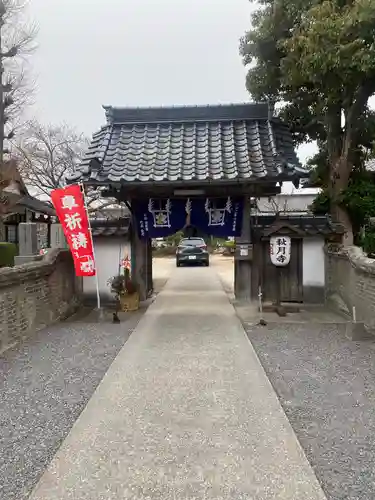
point(184, 412)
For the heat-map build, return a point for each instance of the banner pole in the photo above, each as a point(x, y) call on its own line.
point(93, 248)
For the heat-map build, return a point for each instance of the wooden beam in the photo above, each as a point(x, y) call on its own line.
point(218, 190)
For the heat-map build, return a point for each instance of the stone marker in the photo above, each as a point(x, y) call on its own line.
point(27, 243)
point(57, 237)
point(28, 239)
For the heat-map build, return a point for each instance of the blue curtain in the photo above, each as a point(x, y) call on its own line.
point(220, 217)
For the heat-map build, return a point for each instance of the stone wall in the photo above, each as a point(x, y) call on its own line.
point(350, 282)
point(36, 294)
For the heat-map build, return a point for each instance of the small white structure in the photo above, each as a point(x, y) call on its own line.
point(303, 279)
point(111, 246)
point(285, 204)
point(313, 269)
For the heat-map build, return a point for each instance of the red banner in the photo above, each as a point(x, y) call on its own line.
point(70, 209)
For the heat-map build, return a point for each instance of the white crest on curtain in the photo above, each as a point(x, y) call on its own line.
point(161, 211)
point(216, 215)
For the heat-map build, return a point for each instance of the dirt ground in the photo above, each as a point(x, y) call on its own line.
point(162, 268)
point(224, 267)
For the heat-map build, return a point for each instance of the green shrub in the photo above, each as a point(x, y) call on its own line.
point(7, 253)
point(229, 244)
point(174, 239)
point(229, 247)
point(164, 251)
point(368, 242)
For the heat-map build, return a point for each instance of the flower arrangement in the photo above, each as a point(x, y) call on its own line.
point(125, 289)
point(123, 284)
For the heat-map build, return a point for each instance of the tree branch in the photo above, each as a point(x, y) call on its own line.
point(359, 102)
point(46, 154)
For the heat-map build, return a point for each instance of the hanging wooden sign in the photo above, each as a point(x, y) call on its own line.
point(280, 250)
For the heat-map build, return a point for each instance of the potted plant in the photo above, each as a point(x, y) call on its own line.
point(126, 291)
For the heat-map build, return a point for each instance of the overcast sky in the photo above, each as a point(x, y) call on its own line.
point(136, 53)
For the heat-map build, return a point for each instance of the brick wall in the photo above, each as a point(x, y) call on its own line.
point(37, 294)
point(350, 281)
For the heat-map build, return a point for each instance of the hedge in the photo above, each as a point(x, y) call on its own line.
point(7, 253)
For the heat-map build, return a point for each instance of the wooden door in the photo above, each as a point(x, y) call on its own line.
point(291, 275)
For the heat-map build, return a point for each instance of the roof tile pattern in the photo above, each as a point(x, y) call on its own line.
point(108, 227)
point(109, 232)
point(308, 224)
point(190, 149)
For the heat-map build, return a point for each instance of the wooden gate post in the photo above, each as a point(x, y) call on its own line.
point(150, 280)
point(139, 260)
point(242, 268)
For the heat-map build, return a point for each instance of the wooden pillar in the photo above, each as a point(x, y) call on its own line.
point(139, 261)
point(150, 281)
point(242, 268)
point(148, 261)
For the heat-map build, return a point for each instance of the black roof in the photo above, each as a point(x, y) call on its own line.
point(36, 205)
point(237, 142)
point(309, 225)
point(188, 114)
point(110, 227)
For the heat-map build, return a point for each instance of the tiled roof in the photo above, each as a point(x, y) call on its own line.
point(109, 231)
point(309, 225)
point(36, 205)
point(109, 213)
point(201, 143)
point(108, 228)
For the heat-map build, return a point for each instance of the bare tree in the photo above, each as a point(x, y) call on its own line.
point(278, 207)
point(17, 42)
point(46, 155)
point(17, 38)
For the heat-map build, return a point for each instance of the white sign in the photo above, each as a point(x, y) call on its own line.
point(280, 247)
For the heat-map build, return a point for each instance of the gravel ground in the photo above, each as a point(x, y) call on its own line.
point(45, 384)
point(326, 385)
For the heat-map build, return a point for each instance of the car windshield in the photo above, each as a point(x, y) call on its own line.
point(192, 242)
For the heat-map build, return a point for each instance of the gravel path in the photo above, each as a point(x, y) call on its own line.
point(326, 385)
point(44, 385)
